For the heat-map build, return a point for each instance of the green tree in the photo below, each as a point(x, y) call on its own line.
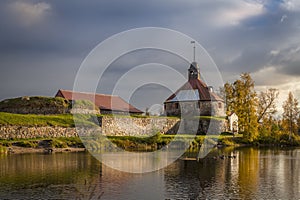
point(290, 115)
point(269, 130)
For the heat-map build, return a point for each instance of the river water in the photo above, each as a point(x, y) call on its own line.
point(252, 174)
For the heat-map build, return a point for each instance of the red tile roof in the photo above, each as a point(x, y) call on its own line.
point(204, 93)
point(103, 101)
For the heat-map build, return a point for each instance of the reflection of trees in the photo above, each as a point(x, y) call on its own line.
point(291, 174)
point(188, 179)
point(253, 174)
point(48, 176)
point(213, 177)
point(248, 172)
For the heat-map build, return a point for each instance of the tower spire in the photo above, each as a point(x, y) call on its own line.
point(194, 71)
point(194, 48)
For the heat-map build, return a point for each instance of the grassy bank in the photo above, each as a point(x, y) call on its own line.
point(44, 143)
point(61, 142)
point(127, 142)
point(61, 120)
point(131, 143)
point(280, 140)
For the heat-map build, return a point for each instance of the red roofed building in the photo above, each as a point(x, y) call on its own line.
point(194, 97)
point(106, 103)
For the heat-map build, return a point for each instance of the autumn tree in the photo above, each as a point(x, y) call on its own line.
point(267, 104)
point(242, 99)
point(290, 114)
point(228, 97)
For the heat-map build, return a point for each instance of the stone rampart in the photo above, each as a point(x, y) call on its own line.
point(119, 126)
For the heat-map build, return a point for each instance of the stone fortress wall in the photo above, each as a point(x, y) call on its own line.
point(121, 126)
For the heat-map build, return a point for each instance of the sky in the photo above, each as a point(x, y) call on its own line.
point(43, 43)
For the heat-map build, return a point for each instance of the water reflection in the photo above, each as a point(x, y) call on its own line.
point(30, 176)
point(253, 174)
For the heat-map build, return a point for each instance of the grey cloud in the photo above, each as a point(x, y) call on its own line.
point(292, 68)
point(45, 57)
point(247, 47)
point(285, 60)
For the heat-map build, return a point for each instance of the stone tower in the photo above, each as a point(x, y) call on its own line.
point(194, 71)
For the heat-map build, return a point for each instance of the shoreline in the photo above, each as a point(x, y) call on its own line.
point(28, 150)
point(25, 150)
point(128, 143)
point(14, 150)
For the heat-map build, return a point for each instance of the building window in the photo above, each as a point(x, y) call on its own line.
point(220, 105)
point(176, 105)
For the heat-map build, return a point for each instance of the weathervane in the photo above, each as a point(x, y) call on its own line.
point(193, 42)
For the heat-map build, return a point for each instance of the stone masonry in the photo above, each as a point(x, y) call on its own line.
point(120, 126)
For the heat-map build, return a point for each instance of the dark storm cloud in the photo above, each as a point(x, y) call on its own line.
point(42, 43)
point(293, 68)
point(247, 47)
point(288, 60)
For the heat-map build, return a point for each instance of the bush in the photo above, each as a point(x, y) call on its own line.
point(154, 139)
point(28, 144)
point(5, 143)
point(55, 143)
point(227, 142)
point(71, 142)
point(226, 133)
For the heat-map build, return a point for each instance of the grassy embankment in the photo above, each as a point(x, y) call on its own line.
point(66, 120)
point(30, 120)
point(125, 142)
point(62, 120)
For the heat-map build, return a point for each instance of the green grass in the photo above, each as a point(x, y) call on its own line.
point(60, 142)
point(37, 102)
point(26, 143)
point(68, 142)
point(138, 140)
point(62, 120)
point(162, 140)
point(231, 140)
point(130, 143)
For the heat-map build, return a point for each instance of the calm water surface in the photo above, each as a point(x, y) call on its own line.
point(253, 174)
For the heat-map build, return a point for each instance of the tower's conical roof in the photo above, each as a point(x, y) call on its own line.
point(194, 90)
